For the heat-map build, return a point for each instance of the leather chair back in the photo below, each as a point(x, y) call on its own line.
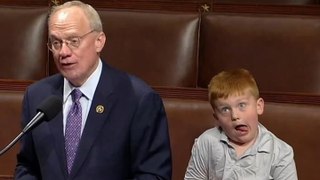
point(23, 50)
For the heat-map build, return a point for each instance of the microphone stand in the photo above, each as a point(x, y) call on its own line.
point(11, 143)
point(30, 125)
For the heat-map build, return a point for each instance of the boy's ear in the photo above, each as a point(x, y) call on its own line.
point(260, 106)
point(214, 116)
point(215, 119)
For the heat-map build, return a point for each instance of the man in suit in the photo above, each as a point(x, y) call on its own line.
point(121, 129)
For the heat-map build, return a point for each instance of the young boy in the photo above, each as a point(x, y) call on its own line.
point(239, 147)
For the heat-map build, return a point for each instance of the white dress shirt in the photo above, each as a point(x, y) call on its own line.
point(87, 89)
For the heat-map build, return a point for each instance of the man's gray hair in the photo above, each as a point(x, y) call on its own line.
point(91, 14)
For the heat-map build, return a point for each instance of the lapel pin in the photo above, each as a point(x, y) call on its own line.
point(99, 109)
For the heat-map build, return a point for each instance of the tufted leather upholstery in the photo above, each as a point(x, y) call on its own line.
point(23, 51)
point(280, 51)
point(160, 47)
point(10, 113)
point(187, 120)
point(298, 125)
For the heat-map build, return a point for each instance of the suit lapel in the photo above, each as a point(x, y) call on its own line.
point(56, 127)
point(57, 132)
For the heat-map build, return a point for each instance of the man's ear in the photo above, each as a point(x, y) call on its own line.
point(260, 106)
point(100, 41)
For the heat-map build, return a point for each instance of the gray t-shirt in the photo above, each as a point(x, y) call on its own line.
point(213, 158)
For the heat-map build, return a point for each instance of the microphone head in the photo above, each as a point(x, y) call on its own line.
point(50, 107)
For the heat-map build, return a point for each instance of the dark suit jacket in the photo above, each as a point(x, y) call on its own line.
point(129, 140)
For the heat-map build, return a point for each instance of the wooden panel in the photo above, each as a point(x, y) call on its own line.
point(280, 2)
point(24, 2)
point(169, 5)
point(191, 93)
point(302, 7)
point(6, 177)
point(202, 94)
point(14, 85)
point(266, 9)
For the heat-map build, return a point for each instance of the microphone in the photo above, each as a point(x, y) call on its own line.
point(47, 110)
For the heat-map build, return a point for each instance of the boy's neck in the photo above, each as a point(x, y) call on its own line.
point(242, 148)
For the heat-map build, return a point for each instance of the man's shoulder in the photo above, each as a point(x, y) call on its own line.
point(125, 77)
point(132, 83)
point(48, 82)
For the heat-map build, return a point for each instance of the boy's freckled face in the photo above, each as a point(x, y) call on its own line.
point(237, 115)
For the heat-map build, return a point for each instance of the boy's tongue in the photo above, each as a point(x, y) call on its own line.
point(241, 128)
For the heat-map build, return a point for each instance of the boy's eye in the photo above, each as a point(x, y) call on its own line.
point(225, 110)
point(242, 105)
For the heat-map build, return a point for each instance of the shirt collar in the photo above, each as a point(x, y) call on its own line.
point(263, 142)
point(88, 88)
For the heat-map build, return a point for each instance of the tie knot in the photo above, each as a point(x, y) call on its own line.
point(76, 95)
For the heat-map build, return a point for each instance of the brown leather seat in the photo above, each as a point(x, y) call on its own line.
point(187, 120)
point(10, 113)
point(159, 47)
point(23, 50)
point(281, 51)
point(298, 125)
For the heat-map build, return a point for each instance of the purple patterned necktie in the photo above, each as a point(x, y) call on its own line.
point(73, 128)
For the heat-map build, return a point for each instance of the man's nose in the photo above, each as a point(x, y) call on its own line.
point(65, 49)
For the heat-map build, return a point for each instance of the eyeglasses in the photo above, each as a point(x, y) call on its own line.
point(71, 42)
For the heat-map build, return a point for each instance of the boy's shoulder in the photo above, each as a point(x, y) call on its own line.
point(211, 133)
point(209, 137)
point(269, 142)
